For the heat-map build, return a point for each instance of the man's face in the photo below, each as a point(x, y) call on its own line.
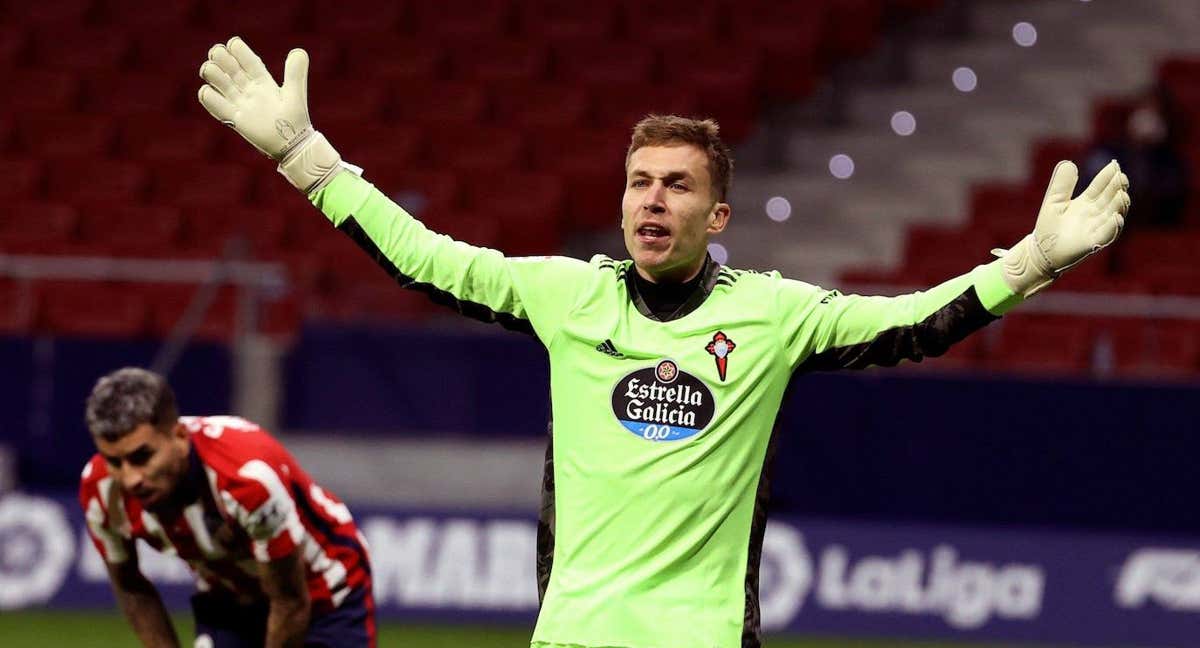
point(669, 211)
point(148, 463)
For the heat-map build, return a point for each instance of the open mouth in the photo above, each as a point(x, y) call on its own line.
point(652, 231)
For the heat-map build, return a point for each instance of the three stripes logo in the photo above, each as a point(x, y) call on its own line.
point(609, 349)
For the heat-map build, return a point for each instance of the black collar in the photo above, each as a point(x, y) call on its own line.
point(664, 303)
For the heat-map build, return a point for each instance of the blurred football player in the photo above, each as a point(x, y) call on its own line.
point(278, 561)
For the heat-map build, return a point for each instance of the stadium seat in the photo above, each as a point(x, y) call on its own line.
point(57, 226)
point(39, 91)
point(373, 20)
point(853, 28)
point(328, 99)
point(50, 12)
point(88, 180)
point(690, 20)
point(160, 138)
point(479, 227)
point(443, 103)
point(13, 46)
point(130, 230)
point(248, 17)
point(789, 36)
point(1047, 154)
point(592, 164)
point(142, 15)
point(555, 21)
point(934, 254)
point(92, 309)
point(1002, 207)
point(91, 48)
point(376, 139)
point(479, 150)
point(416, 190)
point(1150, 348)
point(621, 105)
point(192, 184)
point(176, 53)
point(529, 106)
point(18, 307)
point(600, 62)
point(23, 178)
point(169, 303)
point(528, 208)
point(399, 60)
point(126, 93)
point(492, 61)
point(208, 231)
point(1042, 344)
point(462, 20)
point(46, 135)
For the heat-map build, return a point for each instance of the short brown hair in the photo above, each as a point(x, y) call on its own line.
point(659, 130)
point(127, 398)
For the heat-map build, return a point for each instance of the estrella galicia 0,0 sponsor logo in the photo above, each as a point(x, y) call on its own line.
point(663, 403)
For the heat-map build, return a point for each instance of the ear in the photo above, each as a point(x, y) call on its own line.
point(179, 430)
point(718, 218)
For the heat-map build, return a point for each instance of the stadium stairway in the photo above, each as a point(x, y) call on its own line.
point(1083, 51)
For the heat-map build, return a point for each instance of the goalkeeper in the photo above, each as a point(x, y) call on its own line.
point(667, 370)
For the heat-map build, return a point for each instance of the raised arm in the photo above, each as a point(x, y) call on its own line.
point(826, 330)
point(529, 295)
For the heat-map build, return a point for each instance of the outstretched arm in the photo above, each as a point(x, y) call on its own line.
point(827, 330)
point(530, 295)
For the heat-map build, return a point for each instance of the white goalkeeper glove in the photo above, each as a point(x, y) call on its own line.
point(241, 93)
point(1068, 231)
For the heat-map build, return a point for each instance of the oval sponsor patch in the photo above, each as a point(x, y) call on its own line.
point(663, 403)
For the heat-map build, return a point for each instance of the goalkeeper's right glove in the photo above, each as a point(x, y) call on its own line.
point(241, 93)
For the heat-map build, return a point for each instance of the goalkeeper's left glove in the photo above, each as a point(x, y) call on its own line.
point(241, 93)
point(1068, 231)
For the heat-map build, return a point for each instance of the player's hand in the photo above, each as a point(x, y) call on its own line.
point(240, 92)
point(1068, 231)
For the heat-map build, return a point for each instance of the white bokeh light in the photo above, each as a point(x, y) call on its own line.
point(964, 79)
point(841, 166)
point(778, 209)
point(903, 123)
point(718, 252)
point(1025, 34)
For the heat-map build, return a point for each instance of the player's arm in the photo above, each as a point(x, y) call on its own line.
point(141, 604)
point(828, 330)
point(527, 295)
point(283, 581)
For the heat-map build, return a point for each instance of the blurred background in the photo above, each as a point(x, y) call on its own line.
point(1035, 485)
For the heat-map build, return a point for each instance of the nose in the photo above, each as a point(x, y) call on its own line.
point(652, 201)
point(131, 480)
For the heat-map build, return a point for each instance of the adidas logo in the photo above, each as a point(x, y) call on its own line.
point(607, 348)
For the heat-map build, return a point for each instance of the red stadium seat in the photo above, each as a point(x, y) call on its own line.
point(1047, 154)
point(92, 309)
point(18, 307)
point(13, 46)
point(90, 49)
point(854, 28)
point(443, 103)
point(130, 230)
point(414, 190)
point(50, 12)
point(56, 227)
point(142, 15)
point(556, 21)
point(248, 17)
point(368, 21)
point(462, 20)
point(272, 41)
point(479, 227)
point(691, 20)
point(89, 180)
point(401, 61)
point(935, 254)
point(477, 150)
point(528, 208)
point(1003, 206)
point(158, 138)
point(1149, 348)
point(329, 100)
point(23, 178)
point(37, 91)
point(598, 63)
point(1109, 117)
point(66, 135)
point(592, 163)
point(532, 106)
point(377, 139)
point(621, 105)
point(208, 231)
point(789, 35)
point(193, 184)
point(177, 53)
point(133, 93)
point(501, 61)
point(1042, 344)
point(169, 303)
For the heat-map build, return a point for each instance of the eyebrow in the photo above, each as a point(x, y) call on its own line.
point(117, 458)
point(670, 175)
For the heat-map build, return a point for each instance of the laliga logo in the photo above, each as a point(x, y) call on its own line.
point(36, 548)
point(1168, 577)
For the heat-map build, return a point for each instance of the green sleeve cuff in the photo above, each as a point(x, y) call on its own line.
point(993, 291)
point(344, 195)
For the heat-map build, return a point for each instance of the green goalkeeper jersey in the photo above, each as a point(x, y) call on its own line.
point(654, 495)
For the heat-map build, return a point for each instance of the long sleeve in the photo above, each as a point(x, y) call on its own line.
point(528, 294)
point(825, 330)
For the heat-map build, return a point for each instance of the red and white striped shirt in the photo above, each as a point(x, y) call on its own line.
point(250, 502)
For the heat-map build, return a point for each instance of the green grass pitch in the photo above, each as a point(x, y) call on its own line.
point(43, 629)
